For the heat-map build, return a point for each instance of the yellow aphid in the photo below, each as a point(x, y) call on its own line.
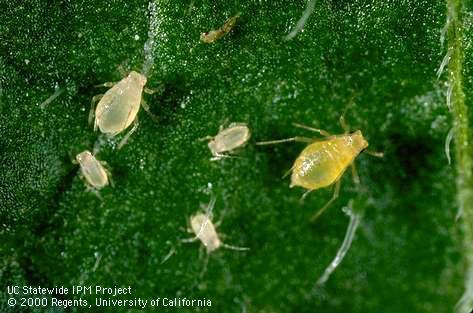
point(234, 136)
point(214, 35)
point(119, 106)
point(323, 162)
point(92, 170)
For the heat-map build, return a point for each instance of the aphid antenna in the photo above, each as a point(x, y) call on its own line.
point(205, 138)
point(317, 130)
point(224, 156)
point(106, 85)
point(171, 252)
point(297, 138)
point(235, 248)
point(208, 214)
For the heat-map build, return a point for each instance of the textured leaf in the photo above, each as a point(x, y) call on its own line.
point(408, 252)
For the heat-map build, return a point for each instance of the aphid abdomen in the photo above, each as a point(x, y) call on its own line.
point(94, 173)
point(322, 163)
point(204, 229)
point(231, 138)
point(119, 106)
point(316, 167)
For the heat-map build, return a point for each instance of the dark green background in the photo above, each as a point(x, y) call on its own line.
point(406, 256)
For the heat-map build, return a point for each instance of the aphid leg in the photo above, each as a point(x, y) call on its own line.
point(206, 138)
point(189, 240)
point(304, 195)
point(110, 177)
point(107, 84)
point(343, 123)
point(127, 136)
point(374, 153)
point(334, 197)
point(122, 71)
point(145, 106)
point(206, 263)
point(289, 171)
point(320, 131)
point(354, 172)
point(152, 91)
point(219, 156)
point(94, 101)
point(169, 255)
point(95, 192)
point(297, 138)
point(230, 247)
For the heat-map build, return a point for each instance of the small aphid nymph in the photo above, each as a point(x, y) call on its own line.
point(323, 162)
point(92, 169)
point(214, 35)
point(204, 229)
point(119, 106)
point(228, 139)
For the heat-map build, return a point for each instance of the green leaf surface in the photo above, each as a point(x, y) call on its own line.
point(409, 253)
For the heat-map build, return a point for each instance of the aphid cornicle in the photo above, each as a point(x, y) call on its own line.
point(119, 106)
point(92, 169)
point(234, 136)
point(323, 162)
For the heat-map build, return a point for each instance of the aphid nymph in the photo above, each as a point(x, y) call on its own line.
point(214, 35)
point(205, 230)
point(234, 136)
point(323, 162)
point(92, 169)
point(119, 106)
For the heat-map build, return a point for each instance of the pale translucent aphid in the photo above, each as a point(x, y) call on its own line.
point(214, 35)
point(119, 106)
point(92, 169)
point(234, 136)
point(205, 231)
point(323, 162)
